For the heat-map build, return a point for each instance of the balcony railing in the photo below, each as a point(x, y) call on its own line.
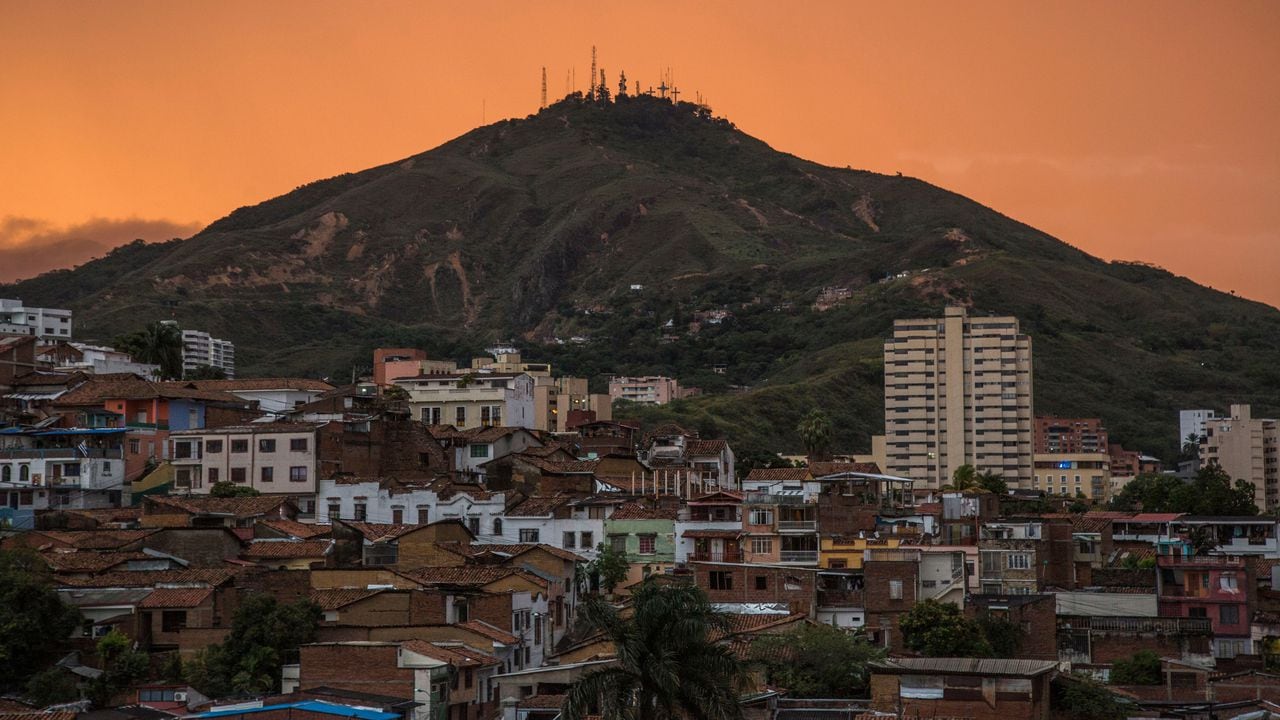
point(794, 525)
point(60, 453)
point(729, 556)
point(799, 556)
point(841, 598)
point(1183, 560)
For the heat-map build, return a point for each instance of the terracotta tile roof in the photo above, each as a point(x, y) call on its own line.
point(284, 549)
point(149, 578)
point(544, 702)
point(636, 511)
point(65, 562)
point(551, 448)
point(477, 575)
point(335, 598)
point(515, 549)
point(1082, 522)
point(538, 505)
point(820, 469)
point(444, 487)
point(381, 532)
point(97, 389)
point(560, 467)
point(208, 505)
point(495, 634)
point(176, 598)
point(40, 715)
point(750, 624)
point(294, 528)
point(791, 474)
point(107, 515)
point(455, 654)
point(96, 539)
point(261, 384)
point(703, 448)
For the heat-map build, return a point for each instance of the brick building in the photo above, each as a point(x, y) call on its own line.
point(981, 689)
point(726, 582)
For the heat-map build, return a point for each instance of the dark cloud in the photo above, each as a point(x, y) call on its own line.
point(29, 246)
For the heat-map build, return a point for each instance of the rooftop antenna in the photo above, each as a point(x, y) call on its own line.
point(663, 88)
point(591, 93)
point(544, 88)
point(622, 83)
point(568, 84)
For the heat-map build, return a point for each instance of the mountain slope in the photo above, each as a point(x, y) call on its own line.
point(537, 229)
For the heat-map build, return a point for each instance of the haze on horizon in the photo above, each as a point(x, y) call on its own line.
point(1140, 131)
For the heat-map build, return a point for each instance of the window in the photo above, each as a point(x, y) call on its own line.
point(990, 563)
point(895, 589)
point(1227, 581)
point(497, 527)
point(528, 535)
point(618, 543)
point(1019, 561)
point(173, 620)
point(473, 524)
point(762, 582)
point(762, 545)
point(479, 451)
point(431, 415)
point(213, 475)
point(335, 511)
point(761, 516)
point(266, 445)
point(460, 416)
point(135, 446)
point(569, 537)
point(298, 473)
point(1197, 612)
point(1229, 614)
point(298, 445)
point(537, 629)
point(239, 475)
point(213, 446)
point(491, 415)
point(588, 541)
point(361, 512)
point(424, 514)
point(721, 580)
point(268, 474)
point(648, 544)
point(239, 446)
point(397, 516)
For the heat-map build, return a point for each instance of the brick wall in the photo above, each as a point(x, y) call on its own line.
point(202, 547)
point(884, 698)
point(1035, 615)
point(758, 584)
point(883, 610)
point(361, 668)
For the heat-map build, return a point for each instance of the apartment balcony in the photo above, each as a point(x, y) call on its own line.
point(797, 526)
point(1199, 560)
point(841, 598)
point(60, 453)
point(799, 557)
point(728, 555)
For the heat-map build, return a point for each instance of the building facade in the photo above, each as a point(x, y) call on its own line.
point(1076, 474)
point(647, 390)
point(272, 458)
point(1070, 435)
point(958, 392)
point(471, 399)
point(43, 323)
point(200, 348)
point(1246, 449)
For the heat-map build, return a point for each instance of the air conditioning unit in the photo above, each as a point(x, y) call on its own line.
point(180, 696)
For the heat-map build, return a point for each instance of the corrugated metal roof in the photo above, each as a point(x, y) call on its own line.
point(968, 666)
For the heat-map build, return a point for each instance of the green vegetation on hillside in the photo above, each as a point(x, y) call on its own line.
point(642, 236)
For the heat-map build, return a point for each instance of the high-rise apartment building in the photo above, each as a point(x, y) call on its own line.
point(1194, 422)
point(200, 348)
point(957, 392)
point(647, 390)
point(1070, 435)
point(1246, 448)
point(44, 323)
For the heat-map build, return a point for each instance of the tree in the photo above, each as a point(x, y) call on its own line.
point(937, 629)
point(964, 478)
point(226, 489)
point(122, 666)
point(263, 631)
point(816, 661)
point(815, 431)
point(993, 482)
point(1080, 698)
point(35, 621)
point(1141, 669)
point(205, 372)
point(159, 343)
point(1190, 447)
point(1210, 492)
point(52, 686)
point(668, 666)
point(610, 567)
point(1002, 634)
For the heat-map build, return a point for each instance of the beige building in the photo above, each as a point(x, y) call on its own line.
point(555, 399)
point(646, 390)
point(1246, 448)
point(957, 392)
point(1087, 474)
point(470, 399)
point(276, 458)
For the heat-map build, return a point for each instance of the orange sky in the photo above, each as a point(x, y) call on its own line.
point(1136, 130)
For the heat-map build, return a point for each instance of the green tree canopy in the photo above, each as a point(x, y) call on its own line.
point(815, 431)
point(159, 343)
point(1141, 669)
point(816, 661)
point(122, 665)
point(1080, 698)
point(938, 629)
point(34, 622)
point(263, 633)
point(226, 488)
point(669, 665)
point(1211, 492)
point(610, 567)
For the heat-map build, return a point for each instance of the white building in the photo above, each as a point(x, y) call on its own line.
point(275, 396)
point(1194, 422)
point(95, 360)
point(60, 468)
point(410, 503)
point(201, 348)
point(44, 323)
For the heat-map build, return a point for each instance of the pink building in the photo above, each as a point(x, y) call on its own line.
point(1215, 587)
point(392, 363)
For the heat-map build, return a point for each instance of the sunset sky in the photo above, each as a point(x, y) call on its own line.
point(1135, 130)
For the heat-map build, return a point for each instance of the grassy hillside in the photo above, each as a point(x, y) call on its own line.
point(535, 231)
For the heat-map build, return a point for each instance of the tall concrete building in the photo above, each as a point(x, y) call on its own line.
point(957, 392)
point(1194, 422)
point(45, 323)
point(1246, 448)
point(200, 348)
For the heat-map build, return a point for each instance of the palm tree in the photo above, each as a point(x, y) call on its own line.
point(815, 431)
point(668, 665)
point(964, 478)
point(159, 343)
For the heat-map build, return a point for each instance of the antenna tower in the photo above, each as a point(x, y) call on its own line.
point(544, 88)
point(591, 82)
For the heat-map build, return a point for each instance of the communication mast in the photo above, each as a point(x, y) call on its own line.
point(544, 89)
point(591, 79)
point(622, 83)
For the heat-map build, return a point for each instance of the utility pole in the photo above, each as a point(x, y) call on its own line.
point(544, 89)
point(591, 79)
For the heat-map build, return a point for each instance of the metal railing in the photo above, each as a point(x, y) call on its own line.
point(797, 525)
point(799, 556)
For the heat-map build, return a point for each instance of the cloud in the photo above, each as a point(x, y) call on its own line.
point(30, 246)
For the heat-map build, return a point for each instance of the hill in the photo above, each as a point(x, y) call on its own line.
point(643, 236)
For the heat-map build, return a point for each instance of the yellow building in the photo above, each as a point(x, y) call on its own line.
point(1087, 474)
point(847, 552)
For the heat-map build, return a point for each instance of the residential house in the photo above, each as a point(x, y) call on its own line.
point(1215, 587)
point(983, 689)
point(471, 399)
point(59, 468)
point(274, 458)
point(1026, 557)
point(646, 534)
